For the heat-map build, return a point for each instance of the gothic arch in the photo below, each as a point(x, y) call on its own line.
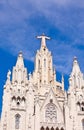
point(47, 128)
point(13, 98)
point(52, 128)
point(42, 128)
point(17, 121)
point(51, 112)
point(23, 98)
point(82, 103)
point(18, 98)
point(57, 128)
point(62, 128)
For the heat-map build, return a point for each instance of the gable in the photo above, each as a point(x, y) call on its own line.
point(51, 110)
point(51, 98)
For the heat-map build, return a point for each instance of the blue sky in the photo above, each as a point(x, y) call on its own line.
point(21, 21)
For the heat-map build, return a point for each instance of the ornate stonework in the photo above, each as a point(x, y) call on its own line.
point(38, 101)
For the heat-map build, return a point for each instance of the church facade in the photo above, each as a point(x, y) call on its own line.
point(38, 101)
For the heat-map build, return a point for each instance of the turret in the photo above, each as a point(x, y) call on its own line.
point(19, 71)
point(20, 62)
point(76, 68)
point(76, 77)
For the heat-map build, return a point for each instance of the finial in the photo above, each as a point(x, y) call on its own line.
point(43, 39)
point(75, 58)
point(20, 54)
point(8, 74)
point(20, 62)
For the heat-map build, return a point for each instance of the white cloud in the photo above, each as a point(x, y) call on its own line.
point(20, 20)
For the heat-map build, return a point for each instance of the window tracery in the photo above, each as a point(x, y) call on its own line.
point(50, 112)
point(17, 121)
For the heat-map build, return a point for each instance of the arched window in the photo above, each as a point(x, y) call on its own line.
point(18, 100)
point(57, 128)
point(17, 121)
point(51, 113)
point(47, 128)
point(42, 128)
point(62, 129)
point(13, 98)
point(23, 99)
point(83, 124)
point(52, 128)
point(4, 126)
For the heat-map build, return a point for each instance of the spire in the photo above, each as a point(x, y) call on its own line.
point(44, 73)
point(43, 39)
point(76, 76)
point(20, 62)
point(76, 68)
point(19, 71)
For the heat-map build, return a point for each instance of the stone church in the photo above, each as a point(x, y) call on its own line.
point(38, 101)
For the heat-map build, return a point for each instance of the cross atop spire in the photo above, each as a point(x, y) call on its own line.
point(43, 39)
